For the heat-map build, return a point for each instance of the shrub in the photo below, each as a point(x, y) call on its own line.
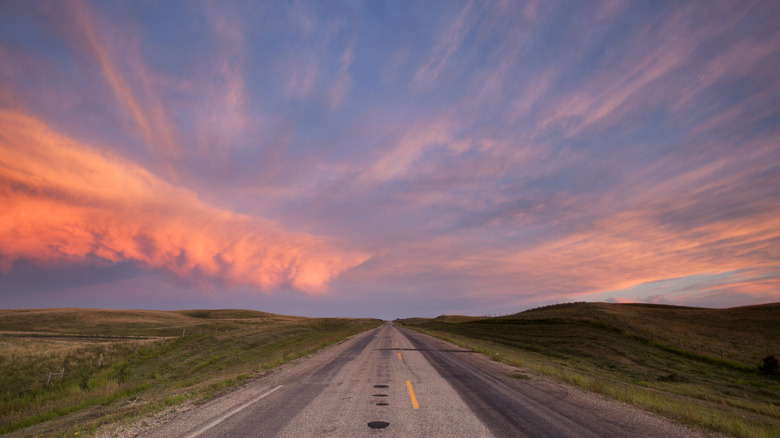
point(770, 365)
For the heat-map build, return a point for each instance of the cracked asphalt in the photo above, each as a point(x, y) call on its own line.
point(395, 382)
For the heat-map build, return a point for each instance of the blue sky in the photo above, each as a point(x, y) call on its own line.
point(388, 158)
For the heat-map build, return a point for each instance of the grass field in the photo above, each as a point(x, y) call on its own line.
point(696, 366)
point(119, 365)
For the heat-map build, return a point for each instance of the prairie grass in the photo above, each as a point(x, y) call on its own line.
point(696, 366)
point(141, 363)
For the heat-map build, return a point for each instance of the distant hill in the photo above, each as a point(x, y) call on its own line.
point(455, 319)
point(411, 321)
point(452, 319)
point(105, 322)
point(745, 334)
point(225, 314)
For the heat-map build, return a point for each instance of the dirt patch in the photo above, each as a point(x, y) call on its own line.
point(626, 361)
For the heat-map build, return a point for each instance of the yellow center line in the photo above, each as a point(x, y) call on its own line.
point(396, 344)
point(415, 405)
point(399, 356)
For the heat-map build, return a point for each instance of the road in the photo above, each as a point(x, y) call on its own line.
point(395, 382)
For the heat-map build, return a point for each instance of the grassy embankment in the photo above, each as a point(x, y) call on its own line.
point(150, 360)
point(696, 366)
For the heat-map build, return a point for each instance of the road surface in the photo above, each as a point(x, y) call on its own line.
point(395, 382)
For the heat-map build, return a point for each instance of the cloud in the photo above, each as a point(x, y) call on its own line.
point(448, 43)
point(667, 63)
point(149, 117)
point(340, 88)
point(490, 154)
point(302, 78)
point(476, 231)
point(742, 287)
point(62, 202)
point(400, 159)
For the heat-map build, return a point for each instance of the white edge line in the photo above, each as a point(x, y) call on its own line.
point(230, 414)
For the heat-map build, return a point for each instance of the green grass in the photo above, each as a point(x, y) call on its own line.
point(147, 365)
point(696, 366)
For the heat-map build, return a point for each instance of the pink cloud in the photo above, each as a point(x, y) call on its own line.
point(62, 201)
point(644, 69)
point(341, 87)
point(222, 116)
point(301, 78)
point(445, 47)
point(149, 115)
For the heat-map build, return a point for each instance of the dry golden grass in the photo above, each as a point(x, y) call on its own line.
point(131, 323)
point(12, 348)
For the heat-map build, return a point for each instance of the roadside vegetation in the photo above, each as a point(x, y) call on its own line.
point(120, 365)
point(703, 367)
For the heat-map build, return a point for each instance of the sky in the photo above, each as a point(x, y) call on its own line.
point(388, 158)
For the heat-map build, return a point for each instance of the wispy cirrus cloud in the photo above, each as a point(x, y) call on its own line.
point(150, 117)
point(447, 44)
point(226, 99)
point(727, 289)
point(340, 88)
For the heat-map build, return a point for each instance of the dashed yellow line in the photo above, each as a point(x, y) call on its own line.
point(415, 405)
point(399, 356)
point(396, 344)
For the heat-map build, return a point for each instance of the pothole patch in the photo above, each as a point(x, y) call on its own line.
point(378, 424)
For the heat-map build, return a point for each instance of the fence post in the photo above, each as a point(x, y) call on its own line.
point(61, 373)
point(100, 361)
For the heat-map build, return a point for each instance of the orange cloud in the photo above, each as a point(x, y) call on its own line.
point(616, 252)
point(629, 249)
point(61, 201)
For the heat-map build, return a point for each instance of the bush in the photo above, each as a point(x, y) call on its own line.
point(770, 365)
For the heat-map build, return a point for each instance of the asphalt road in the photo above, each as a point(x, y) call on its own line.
point(396, 382)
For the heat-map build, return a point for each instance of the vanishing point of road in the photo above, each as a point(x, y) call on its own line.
point(396, 382)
